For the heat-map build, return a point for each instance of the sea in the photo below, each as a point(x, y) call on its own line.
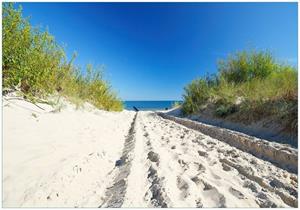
point(149, 105)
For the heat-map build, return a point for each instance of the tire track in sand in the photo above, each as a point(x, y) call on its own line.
point(114, 196)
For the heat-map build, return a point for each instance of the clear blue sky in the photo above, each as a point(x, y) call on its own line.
point(152, 50)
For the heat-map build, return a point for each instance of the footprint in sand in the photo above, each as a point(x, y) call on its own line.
point(211, 143)
point(233, 153)
point(250, 185)
point(211, 193)
point(264, 202)
point(157, 198)
point(200, 168)
point(183, 164)
point(236, 193)
point(226, 167)
point(199, 203)
point(153, 157)
point(202, 153)
point(196, 180)
point(183, 187)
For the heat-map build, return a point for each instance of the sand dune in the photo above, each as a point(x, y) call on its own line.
point(93, 158)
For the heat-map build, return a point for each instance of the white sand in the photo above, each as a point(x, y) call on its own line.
point(59, 159)
point(67, 159)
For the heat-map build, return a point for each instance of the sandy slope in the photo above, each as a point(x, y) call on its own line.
point(59, 159)
point(67, 159)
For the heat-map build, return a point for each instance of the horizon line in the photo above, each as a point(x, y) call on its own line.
point(154, 100)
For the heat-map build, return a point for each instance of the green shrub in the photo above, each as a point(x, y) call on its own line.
point(196, 94)
point(247, 65)
point(31, 58)
point(33, 62)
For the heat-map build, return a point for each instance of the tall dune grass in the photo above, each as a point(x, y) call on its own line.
point(251, 83)
point(36, 64)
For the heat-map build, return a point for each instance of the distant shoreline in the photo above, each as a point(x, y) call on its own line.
point(150, 105)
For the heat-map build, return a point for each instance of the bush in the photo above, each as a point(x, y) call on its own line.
point(196, 94)
point(247, 65)
point(31, 58)
point(33, 62)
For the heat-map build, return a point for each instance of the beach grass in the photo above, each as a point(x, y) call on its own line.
point(250, 84)
point(34, 63)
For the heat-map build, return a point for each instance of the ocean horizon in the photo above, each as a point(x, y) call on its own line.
point(150, 105)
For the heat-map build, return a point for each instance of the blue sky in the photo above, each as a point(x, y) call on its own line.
point(152, 50)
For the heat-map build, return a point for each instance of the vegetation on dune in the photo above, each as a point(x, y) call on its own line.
point(249, 85)
point(36, 64)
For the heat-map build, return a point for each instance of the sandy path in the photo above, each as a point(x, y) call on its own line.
point(185, 168)
point(92, 158)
